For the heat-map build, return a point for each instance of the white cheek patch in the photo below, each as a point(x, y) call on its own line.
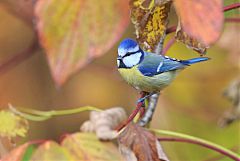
point(132, 60)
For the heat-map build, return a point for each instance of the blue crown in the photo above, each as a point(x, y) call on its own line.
point(128, 43)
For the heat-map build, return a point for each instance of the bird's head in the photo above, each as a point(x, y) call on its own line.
point(129, 54)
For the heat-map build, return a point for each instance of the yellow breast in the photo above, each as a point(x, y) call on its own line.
point(145, 83)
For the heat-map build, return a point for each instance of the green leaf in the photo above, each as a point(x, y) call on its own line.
point(28, 153)
point(74, 32)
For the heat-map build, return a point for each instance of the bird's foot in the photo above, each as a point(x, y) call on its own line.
point(141, 100)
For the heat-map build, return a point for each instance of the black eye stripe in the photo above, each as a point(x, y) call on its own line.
point(131, 53)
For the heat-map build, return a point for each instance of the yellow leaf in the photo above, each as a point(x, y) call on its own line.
point(12, 125)
point(150, 20)
point(87, 146)
point(51, 151)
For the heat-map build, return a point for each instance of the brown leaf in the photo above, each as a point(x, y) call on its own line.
point(136, 143)
point(150, 20)
point(233, 94)
point(190, 42)
point(74, 32)
point(201, 19)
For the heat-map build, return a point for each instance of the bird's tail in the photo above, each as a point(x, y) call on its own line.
point(194, 60)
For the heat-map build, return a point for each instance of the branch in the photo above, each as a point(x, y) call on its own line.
point(231, 7)
point(233, 19)
point(19, 58)
point(168, 46)
point(219, 157)
point(204, 144)
point(198, 141)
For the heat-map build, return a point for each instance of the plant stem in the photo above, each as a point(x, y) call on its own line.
point(231, 7)
point(36, 115)
point(219, 157)
point(209, 146)
point(198, 141)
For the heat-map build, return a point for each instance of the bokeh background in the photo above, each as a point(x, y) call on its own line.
point(193, 104)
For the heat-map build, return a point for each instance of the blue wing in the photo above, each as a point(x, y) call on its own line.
point(155, 64)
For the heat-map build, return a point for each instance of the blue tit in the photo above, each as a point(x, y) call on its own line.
point(147, 71)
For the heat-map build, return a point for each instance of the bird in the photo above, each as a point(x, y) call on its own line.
point(147, 71)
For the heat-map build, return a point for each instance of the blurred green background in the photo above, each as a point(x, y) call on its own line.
point(193, 104)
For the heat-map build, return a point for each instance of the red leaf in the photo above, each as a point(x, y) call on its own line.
point(74, 32)
point(201, 19)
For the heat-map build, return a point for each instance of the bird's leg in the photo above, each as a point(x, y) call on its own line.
point(142, 111)
point(150, 110)
point(140, 106)
point(142, 99)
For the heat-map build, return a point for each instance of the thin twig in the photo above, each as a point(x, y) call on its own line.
point(233, 19)
point(231, 7)
point(19, 58)
point(133, 114)
point(219, 157)
point(171, 29)
point(168, 46)
point(236, 158)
